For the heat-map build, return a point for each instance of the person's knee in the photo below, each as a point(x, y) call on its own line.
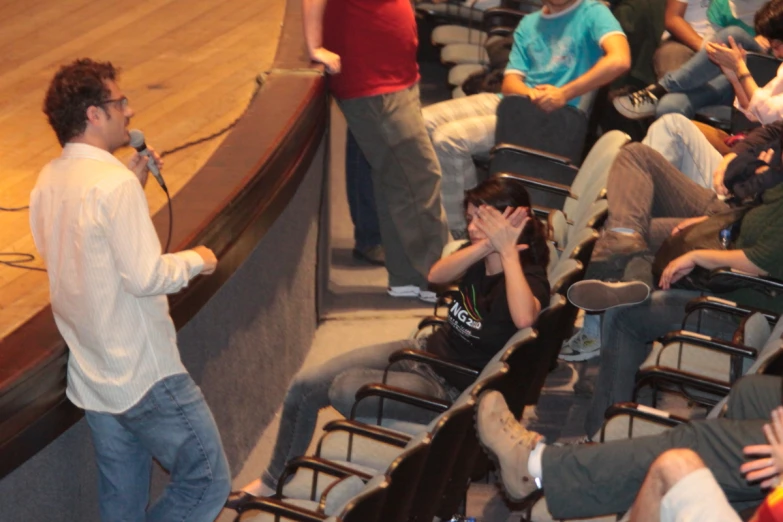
point(674, 465)
point(674, 103)
point(448, 143)
point(739, 34)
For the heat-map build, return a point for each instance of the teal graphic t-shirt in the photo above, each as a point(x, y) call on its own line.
point(557, 49)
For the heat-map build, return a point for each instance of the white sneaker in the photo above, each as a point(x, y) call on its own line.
point(580, 347)
point(404, 291)
point(637, 105)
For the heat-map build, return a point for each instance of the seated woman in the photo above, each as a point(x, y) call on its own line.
point(713, 76)
point(503, 287)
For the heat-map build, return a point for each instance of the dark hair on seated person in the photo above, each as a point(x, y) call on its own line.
point(501, 193)
point(74, 88)
point(768, 20)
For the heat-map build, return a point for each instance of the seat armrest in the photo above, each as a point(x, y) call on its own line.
point(542, 212)
point(367, 431)
point(658, 376)
point(501, 17)
point(386, 392)
point(281, 508)
point(705, 341)
point(763, 284)
point(317, 465)
point(638, 411)
point(527, 151)
point(717, 304)
point(431, 320)
point(421, 356)
point(541, 184)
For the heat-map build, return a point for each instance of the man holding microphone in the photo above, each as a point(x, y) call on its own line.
point(108, 283)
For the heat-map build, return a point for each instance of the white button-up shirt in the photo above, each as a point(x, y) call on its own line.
point(107, 278)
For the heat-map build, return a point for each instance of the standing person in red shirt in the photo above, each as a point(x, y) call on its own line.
point(369, 50)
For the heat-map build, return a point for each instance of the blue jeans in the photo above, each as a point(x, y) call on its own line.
point(335, 382)
point(172, 424)
point(361, 198)
point(684, 146)
point(626, 335)
point(700, 83)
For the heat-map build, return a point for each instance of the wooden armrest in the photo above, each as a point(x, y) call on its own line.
point(716, 304)
point(367, 431)
point(527, 151)
point(638, 411)
point(409, 354)
point(678, 379)
point(763, 284)
point(541, 184)
point(713, 343)
point(386, 392)
point(317, 465)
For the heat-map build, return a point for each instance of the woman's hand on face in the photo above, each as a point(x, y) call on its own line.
point(502, 230)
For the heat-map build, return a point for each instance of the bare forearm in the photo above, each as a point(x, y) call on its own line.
point(451, 267)
point(522, 305)
point(736, 259)
point(513, 84)
point(683, 32)
point(313, 19)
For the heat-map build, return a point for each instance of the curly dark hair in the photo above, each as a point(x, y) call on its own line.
point(74, 88)
point(501, 193)
point(768, 20)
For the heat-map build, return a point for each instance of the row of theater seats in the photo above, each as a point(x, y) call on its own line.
point(379, 469)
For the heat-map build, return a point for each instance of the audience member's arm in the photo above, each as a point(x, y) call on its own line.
point(450, 268)
point(759, 139)
point(514, 84)
point(731, 59)
point(708, 259)
point(615, 61)
point(503, 233)
point(313, 19)
point(674, 21)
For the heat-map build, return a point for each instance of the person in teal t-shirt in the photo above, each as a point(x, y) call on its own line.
point(563, 51)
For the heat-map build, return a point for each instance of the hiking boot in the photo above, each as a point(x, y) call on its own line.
point(637, 105)
point(613, 244)
point(508, 443)
point(592, 295)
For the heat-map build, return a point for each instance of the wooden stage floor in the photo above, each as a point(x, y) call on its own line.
point(189, 68)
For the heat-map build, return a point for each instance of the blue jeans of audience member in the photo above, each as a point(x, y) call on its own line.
point(626, 336)
point(361, 199)
point(684, 146)
point(172, 424)
point(335, 382)
point(700, 83)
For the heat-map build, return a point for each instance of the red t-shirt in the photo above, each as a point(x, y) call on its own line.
point(376, 41)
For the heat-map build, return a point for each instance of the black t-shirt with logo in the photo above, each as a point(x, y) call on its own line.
point(479, 321)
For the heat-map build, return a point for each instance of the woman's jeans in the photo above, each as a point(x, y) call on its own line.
point(335, 382)
point(172, 424)
point(700, 83)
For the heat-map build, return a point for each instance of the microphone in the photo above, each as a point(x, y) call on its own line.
point(137, 142)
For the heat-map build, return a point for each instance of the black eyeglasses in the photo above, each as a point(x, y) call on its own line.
point(123, 102)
